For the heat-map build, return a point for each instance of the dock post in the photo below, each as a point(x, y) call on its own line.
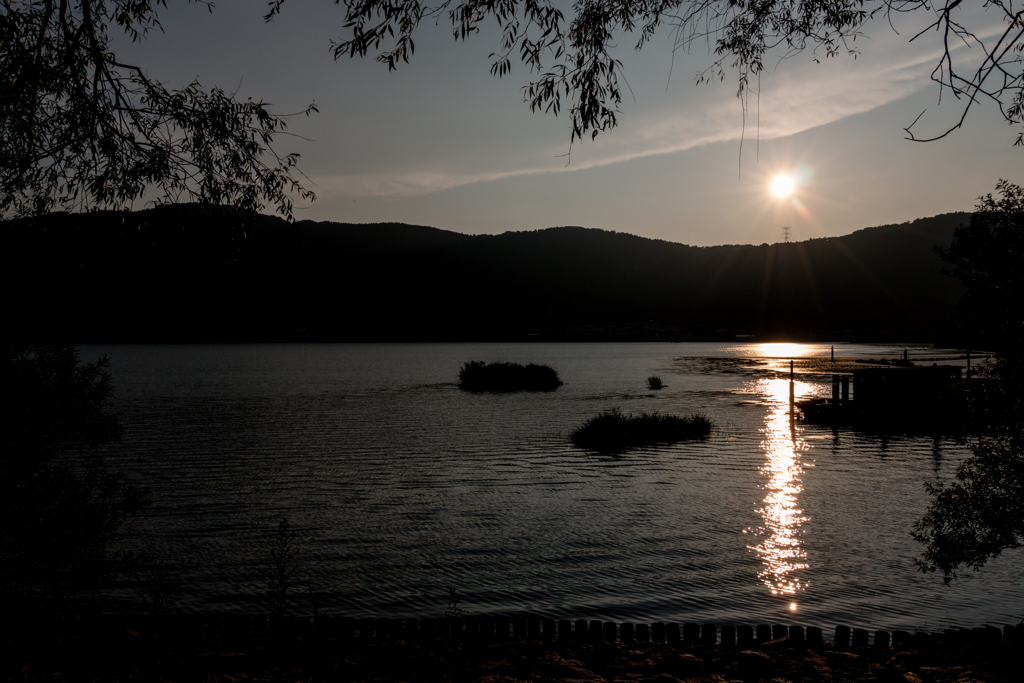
point(792, 403)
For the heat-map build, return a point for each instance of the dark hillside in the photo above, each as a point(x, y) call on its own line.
point(195, 273)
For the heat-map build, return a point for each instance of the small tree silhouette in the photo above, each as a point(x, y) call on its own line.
point(281, 567)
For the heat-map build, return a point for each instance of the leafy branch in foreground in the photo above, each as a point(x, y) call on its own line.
point(975, 518)
point(80, 129)
point(981, 513)
point(63, 508)
point(573, 56)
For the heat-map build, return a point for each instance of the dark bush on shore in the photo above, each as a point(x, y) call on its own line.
point(480, 376)
point(613, 431)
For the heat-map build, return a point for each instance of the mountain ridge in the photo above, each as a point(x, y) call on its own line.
point(195, 273)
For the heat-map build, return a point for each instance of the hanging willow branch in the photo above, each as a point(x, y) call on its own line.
point(80, 129)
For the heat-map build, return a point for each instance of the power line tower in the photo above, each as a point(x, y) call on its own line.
point(785, 234)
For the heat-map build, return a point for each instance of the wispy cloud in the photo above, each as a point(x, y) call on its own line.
point(797, 97)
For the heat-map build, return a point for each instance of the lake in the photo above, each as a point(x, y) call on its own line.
point(400, 486)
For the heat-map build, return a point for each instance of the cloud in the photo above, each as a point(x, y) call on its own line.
point(796, 97)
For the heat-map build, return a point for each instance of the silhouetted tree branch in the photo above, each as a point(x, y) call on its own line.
point(573, 61)
point(975, 518)
point(80, 129)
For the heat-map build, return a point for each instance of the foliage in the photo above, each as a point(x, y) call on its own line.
point(612, 431)
point(987, 256)
point(281, 567)
point(81, 129)
point(654, 382)
point(480, 376)
point(453, 611)
point(574, 57)
point(63, 508)
point(980, 514)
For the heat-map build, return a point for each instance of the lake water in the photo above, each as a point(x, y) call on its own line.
point(399, 486)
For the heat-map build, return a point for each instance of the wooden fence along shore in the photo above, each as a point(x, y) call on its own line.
point(499, 628)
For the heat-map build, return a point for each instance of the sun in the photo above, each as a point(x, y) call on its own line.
point(782, 185)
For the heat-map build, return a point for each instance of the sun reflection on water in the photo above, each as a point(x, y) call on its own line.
point(781, 551)
point(781, 350)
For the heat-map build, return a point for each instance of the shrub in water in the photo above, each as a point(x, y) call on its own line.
point(654, 382)
point(613, 431)
point(480, 376)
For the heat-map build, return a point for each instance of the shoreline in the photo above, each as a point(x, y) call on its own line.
point(121, 653)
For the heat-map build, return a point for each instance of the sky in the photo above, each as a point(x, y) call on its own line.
point(440, 142)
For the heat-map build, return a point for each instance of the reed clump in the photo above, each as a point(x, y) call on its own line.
point(654, 382)
point(504, 377)
point(613, 431)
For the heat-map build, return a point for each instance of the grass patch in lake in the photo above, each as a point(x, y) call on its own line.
point(480, 376)
point(613, 431)
point(654, 382)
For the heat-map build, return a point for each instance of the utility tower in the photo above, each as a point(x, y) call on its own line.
point(785, 234)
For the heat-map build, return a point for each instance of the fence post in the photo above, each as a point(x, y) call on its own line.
point(860, 637)
point(488, 630)
point(533, 626)
point(565, 629)
point(814, 636)
point(843, 636)
point(582, 629)
point(519, 626)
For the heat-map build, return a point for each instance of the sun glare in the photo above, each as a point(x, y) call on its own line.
point(782, 185)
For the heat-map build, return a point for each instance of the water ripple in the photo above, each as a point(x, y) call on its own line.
point(400, 486)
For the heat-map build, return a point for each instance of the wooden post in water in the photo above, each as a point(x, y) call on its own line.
point(792, 405)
